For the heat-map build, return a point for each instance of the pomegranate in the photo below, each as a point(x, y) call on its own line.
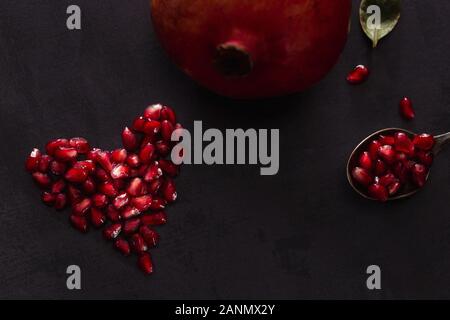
point(393, 163)
point(121, 192)
point(253, 49)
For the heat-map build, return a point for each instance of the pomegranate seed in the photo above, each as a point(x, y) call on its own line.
point(151, 128)
point(112, 213)
point(73, 194)
point(387, 153)
point(123, 246)
point(133, 160)
point(401, 172)
point(158, 204)
point(101, 175)
point(57, 168)
point(129, 139)
point(48, 198)
point(387, 140)
point(58, 186)
point(97, 217)
point(129, 212)
point(169, 167)
point(80, 208)
point(33, 159)
point(86, 165)
point(406, 109)
point(55, 144)
point(150, 236)
point(378, 192)
point(79, 223)
point(99, 200)
point(424, 141)
point(145, 263)
point(104, 161)
point(112, 231)
point(146, 153)
point(138, 124)
point(426, 158)
point(153, 172)
point(119, 155)
point(373, 149)
point(135, 187)
point(147, 140)
point(365, 161)
point(153, 112)
point(403, 143)
point(137, 243)
point(166, 130)
point(76, 175)
point(142, 203)
point(120, 171)
point(130, 226)
point(419, 174)
point(163, 148)
point(121, 200)
point(60, 201)
point(358, 75)
point(168, 114)
point(80, 144)
point(107, 188)
point(89, 186)
point(44, 163)
point(92, 154)
point(380, 167)
point(169, 191)
point(394, 188)
point(66, 154)
point(155, 219)
point(41, 179)
point(154, 186)
point(387, 179)
point(361, 176)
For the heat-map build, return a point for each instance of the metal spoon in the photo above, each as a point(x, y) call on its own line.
point(440, 141)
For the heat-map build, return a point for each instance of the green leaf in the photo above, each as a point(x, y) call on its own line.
point(379, 17)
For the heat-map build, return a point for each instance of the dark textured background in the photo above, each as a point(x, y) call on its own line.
point(234, 234)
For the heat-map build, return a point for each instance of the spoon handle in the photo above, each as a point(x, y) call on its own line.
point(441, 140)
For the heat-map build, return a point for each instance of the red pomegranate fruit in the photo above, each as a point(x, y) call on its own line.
point(253, 49)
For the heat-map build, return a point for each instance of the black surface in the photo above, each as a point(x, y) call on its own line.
point(234, 234)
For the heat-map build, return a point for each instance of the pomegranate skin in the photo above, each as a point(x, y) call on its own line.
point(253, 49)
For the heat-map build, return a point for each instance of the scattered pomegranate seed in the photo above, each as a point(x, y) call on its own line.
point(387, 153)
point(48, 198)
point(79, 223)
point(130, 226)
point(150, 236)
point(118, 187)
point(424, 141)
point(403, 143)
point(145, 263)
point(123, 246)
point(155, 219)
point(358, 75)
point(112, 231)
point(60, 201)
point(44, 163)
point(390, 140)
point(373, 149)
point(406, 109)
point(42, 179)
point(76, 175)
point(66, 153)
point(362, 176)
point(97, 217)
point(80, 144)
point(426, 158)
point(129, 139)
point(137, 243)
point(33, 159)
